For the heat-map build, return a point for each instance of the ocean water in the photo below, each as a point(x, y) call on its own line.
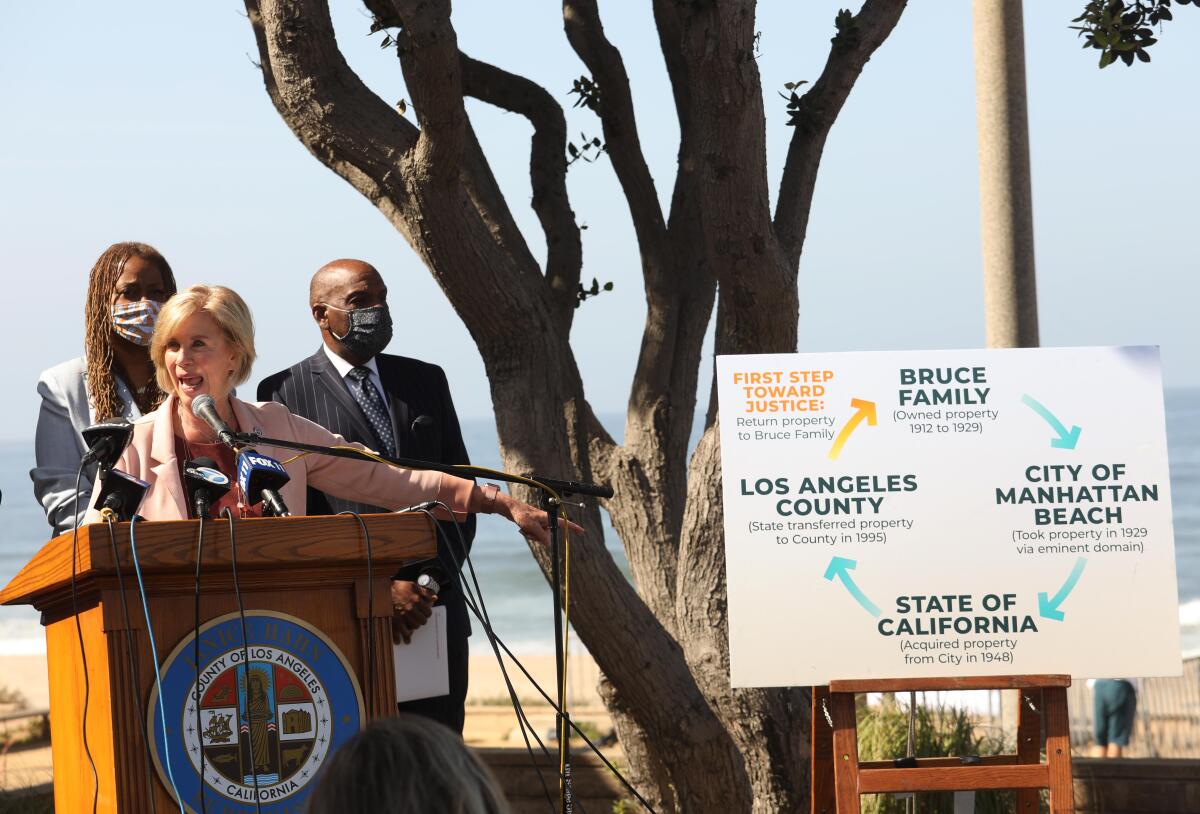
point(517, 596)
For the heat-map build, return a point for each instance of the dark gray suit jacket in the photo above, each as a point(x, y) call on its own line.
point(314, 389)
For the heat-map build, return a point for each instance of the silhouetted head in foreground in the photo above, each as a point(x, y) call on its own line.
point(406, 764)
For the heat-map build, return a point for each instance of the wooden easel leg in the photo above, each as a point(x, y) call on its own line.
point(824, 800)
point(845, 752)
point(1058, 751)
point(1029, 743)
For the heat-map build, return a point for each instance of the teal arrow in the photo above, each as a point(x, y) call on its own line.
point(841, 567)
point(1048, 608)
point(1067, 439)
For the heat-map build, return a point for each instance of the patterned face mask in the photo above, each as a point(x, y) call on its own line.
point(369, 332)
point(135, 320)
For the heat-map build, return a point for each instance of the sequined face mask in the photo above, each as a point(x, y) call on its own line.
point(135, 320)
point(369, 331)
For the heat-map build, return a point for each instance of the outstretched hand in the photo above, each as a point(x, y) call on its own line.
point(535, 523)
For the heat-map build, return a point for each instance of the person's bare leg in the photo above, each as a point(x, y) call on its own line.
point(1097, 750)
point(1114, 750)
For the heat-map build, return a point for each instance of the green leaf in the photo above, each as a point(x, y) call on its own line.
point(1107, 58)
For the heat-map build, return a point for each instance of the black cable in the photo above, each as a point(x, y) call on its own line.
point(196, 658)
point(485, 620)
point(87, 685)
point(484, 617)
point(133, 666)
point(162, 711)
point(237, 591)
point(471, 598)
point(370, 612)
point(522, 720)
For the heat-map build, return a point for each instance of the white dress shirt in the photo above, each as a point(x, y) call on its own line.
point(343, 368)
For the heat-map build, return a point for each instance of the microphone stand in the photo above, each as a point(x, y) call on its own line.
point(562, 487)
point(566, 797)
point(552, 505)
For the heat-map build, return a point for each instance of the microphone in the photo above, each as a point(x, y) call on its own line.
point(205, 407)
point(106, 441)
point(421, 422)
point(120, 492)
point(260, 477)
point(205, 484)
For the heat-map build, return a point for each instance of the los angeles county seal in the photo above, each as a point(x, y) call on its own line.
point(264, 725)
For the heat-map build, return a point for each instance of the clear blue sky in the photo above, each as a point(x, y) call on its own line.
point(147, 121)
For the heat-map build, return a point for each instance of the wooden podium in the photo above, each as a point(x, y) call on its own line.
point(295, 574)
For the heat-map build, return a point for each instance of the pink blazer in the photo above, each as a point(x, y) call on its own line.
point(151, 457)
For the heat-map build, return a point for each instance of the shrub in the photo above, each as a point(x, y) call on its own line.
point(938, 732)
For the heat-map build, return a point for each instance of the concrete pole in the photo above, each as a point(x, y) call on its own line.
point(1006, 201)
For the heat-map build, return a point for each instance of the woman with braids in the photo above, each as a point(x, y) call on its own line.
point(114, 377)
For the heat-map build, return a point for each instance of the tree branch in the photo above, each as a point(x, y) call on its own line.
point(581, 21)
point(341, 122)
point(264, 58)
point(489, 201)
point(603, 451)
point(819, 108)
point(476, 173)
point(547, 170)
point(435, 83)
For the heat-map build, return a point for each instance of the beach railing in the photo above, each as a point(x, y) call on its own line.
point(1168, 715)
point(1167, 723)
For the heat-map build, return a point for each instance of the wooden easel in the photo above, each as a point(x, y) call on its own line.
point(838, 778)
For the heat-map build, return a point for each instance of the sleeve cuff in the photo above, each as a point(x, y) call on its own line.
point(456, 493)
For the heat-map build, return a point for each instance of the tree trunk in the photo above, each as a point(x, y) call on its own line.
point(695, 744)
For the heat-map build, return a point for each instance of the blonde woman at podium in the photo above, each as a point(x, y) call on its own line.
point(114, 378)
point(204, 345)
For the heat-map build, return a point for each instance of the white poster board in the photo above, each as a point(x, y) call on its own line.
point(947, 513)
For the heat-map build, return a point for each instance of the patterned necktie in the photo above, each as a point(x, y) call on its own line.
point(367, 396)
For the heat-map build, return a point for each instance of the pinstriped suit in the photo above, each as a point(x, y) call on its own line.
point(314, 389)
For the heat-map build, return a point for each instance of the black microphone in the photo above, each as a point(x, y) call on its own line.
point(120, 492)
point(106, 441)
point(205, 407)
point(260, 477)
point(205, 484)
point(421, 422)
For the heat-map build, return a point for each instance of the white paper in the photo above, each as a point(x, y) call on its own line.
point(422, 669)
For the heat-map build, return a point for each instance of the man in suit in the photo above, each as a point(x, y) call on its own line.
point(397, 406)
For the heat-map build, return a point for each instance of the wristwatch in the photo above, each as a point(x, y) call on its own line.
point(489, 490)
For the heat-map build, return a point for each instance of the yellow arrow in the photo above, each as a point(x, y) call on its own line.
point(865, 409)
